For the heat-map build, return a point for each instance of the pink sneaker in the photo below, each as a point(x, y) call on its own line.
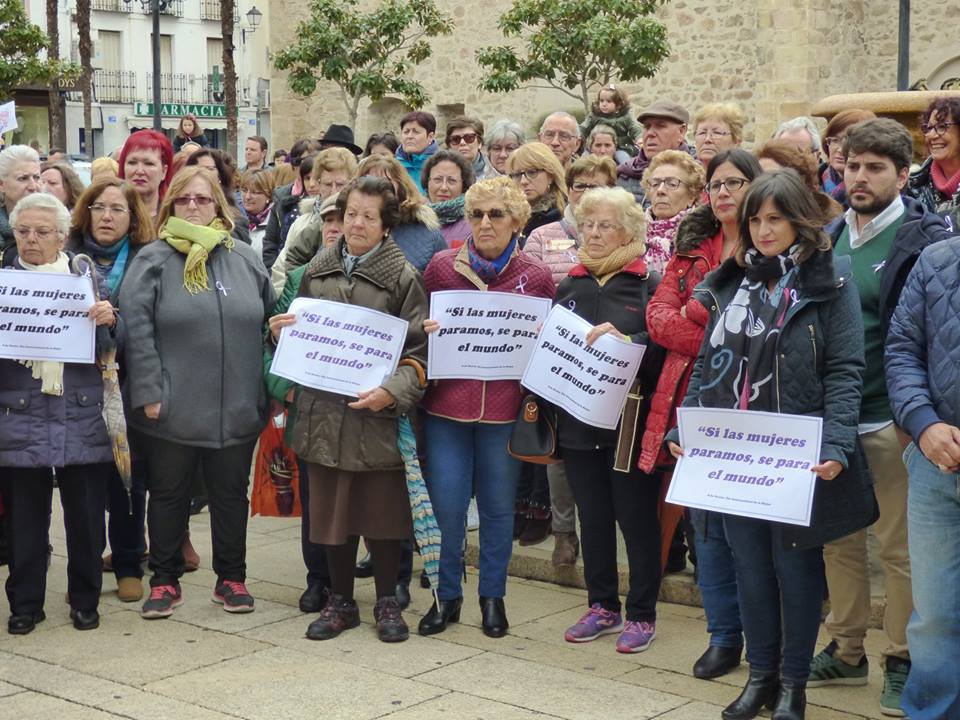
point(636, 636)
point(593, 624)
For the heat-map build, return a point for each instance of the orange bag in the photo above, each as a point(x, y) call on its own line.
point(276, 478)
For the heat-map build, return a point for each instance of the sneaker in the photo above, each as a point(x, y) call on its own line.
point(390, 624)
point(636, 636)
point(825, 669)
point(337, 615)
point(163, 599)
point(593, 624)
point(895, 672)
point(233, 596)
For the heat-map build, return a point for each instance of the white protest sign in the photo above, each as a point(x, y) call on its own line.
point(591, 383)
point(744, 462)
point(340, 348)
point(43, 316)
point(8, 117)
point(483, 335)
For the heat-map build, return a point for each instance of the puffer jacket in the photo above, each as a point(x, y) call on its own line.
point(699, 246)
point(328, 432)
point(922, 188)
point(555, 245)
point(494, 401)
point(284, 203)
point(923, 346)
point(818, 372)
point(623, 123)
point(456, 233)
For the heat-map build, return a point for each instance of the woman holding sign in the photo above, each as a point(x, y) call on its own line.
point(52, 419)
point(785, 336)
point(469, 422)
point(610, 288)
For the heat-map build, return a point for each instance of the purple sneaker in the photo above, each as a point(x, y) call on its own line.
point(636, 636)
point(593, 624)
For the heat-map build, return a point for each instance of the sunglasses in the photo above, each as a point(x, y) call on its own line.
point(493, 214)
point(198, 200)
point(467, 138)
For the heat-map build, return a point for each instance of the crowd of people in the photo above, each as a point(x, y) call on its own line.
point(813, 276)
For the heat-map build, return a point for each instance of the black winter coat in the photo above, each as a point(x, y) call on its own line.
point(622, 301)
point(283, 202)
point(819, 372)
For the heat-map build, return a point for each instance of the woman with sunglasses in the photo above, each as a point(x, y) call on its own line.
point(937, 183)
point(195, 302)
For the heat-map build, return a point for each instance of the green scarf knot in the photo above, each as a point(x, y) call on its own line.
point(196, 242)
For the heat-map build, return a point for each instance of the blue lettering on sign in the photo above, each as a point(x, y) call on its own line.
point(111, 118)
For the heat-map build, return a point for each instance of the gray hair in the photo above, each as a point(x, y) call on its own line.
point(629, 212)
point(43, 201)
point(559, 114)
point(16, 154)
point(601, 129)
point(801, 123)
point(501, 129)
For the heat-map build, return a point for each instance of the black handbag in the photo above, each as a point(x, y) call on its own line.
point(534, 437)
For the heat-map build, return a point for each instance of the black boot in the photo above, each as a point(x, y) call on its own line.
point(717, 661)
point(760, 690)
point(402, 593)
point(364, 567)
point(494, 616)
point(791, 701)
point(436, 620)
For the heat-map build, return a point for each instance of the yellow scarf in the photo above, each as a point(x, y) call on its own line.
point(606, 267)
point(196, 242)
point(48, 372)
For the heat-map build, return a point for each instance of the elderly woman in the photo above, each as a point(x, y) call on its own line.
point(19, 176)
point(350, 446)
point(602, 141)
point(778, 154)
point(717, 127)
point(195, 303)
point(417, 131)
point(61, 181)
point(110, 225)
point(469, 422)
point(540, 177)
point(465, 136)
point(256, 193)
point(705, 238)
point(673, 183)
point(831, 171)
point(146, 161)
point(104, 166)
point(52, 420)
point(610, 288)
point(802, 356)
point(504, 137)
point(937, 183)
point(447, 175)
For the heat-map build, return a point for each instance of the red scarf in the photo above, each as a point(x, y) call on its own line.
point(946, 186)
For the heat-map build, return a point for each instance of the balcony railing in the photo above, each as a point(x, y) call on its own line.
point(210, 10)
point(114, 86)
point(173, 87)
point(123, 86)
point(110, 5)
point(174, 7)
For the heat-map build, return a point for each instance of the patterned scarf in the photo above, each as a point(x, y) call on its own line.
point(254, 221)
point(489, 270)
point(109, 260)
point(449, 211)
point(661, 235)
point(744, 339)
point(832, 183)
point(196, 242)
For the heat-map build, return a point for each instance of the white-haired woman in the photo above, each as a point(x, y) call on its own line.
point(19, 177)
point(610, 289)
point(503, 138)
point(52, 419)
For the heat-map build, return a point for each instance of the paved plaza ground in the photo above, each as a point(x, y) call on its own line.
point(205, 664)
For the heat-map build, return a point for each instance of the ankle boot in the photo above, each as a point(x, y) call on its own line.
point(437, 618)
point(791, 701)
point(760, 690)
point(494, 616)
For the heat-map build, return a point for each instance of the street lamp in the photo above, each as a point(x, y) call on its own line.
point(254, 17)
point(154, 7)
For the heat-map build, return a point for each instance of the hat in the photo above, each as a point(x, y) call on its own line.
point(666, 109)
point(341, 136)
point(328, 205)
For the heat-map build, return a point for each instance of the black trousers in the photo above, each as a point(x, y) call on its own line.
point(170, 473)
point(605, 499)
point(27, 496)
point(125, 528)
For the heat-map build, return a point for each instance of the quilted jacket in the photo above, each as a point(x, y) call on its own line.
point(819, 371)
point(555, 245)
point(699, 245)
point(923, 345)
point(494, 401)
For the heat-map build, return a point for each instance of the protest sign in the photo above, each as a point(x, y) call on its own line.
point(744, 462)
point(591, 383)
point(340, 348)
point(8, 117)
point(483, 335)
point(43, 316)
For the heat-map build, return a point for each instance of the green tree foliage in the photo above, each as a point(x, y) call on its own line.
point(575, 46)
point(367, 54)
point(21, 45)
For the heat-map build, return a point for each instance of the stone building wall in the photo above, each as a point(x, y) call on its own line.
point(773, 57)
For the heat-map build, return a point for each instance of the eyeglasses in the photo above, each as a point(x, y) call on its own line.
point(449, 181)
point(731, 184)
point(940, 128)
point(549, 135)
point(502, 149)
point(712, 133)
point(493, 213)
point(671, 183)
point(604, 228)
point(99, 209)
point(251, 191)
point(530, 175)
point(198, 200)
point(42, 234)
point(466, 139)
point(583, 187)
point(834, 141)
point(23, 179)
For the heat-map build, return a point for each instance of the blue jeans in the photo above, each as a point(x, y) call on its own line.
point(933, 520)
point(461, 457)
point(781, 594)
point(717, 579)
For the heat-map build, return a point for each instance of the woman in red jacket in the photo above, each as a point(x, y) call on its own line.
point(675, 320)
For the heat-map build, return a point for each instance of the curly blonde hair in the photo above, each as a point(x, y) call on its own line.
point(500, 189)
point(728, 113)
point(537, 156)
point(694, 178)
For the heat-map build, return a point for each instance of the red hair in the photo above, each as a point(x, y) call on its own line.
point(150, 140)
